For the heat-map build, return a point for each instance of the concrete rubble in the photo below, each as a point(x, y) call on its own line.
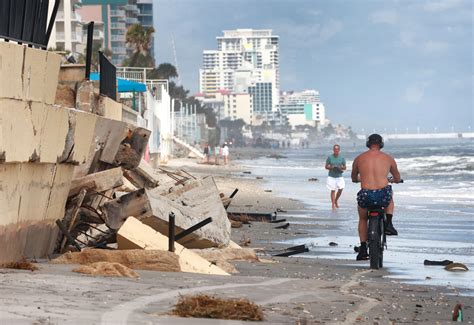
point(73, 177)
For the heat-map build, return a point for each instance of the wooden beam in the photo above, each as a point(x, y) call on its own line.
point(102, 181)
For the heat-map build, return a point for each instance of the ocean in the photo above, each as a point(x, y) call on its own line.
point(434, 207)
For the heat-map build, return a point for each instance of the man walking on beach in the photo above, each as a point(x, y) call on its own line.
point(371, 169)
point(336, 164)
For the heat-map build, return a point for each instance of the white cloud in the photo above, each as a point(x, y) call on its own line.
point(441, 5)
point(384, 17)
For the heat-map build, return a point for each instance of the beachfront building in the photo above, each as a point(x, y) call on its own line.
point(66, 34)
point(116, 16)
point(302, 108)
point(145, 18)
point(238, 106)
point(246, 62)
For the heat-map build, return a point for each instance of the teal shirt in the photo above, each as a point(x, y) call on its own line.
point(335, 161)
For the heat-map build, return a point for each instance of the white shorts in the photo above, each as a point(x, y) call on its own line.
point(335, 183)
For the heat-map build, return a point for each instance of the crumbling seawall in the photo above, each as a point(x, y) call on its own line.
point(40, 145)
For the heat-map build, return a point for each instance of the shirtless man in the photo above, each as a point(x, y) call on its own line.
point(371, 169)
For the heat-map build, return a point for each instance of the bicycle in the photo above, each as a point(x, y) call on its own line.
point(376, 234)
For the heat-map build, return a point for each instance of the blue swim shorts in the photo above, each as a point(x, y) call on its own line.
point(375, 198)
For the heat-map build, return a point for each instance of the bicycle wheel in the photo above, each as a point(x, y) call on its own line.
point(374, 243)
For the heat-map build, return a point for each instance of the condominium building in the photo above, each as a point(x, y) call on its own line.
point(66, 34)
point(238, 106)
point(255, 51)
point(302, 108)
point(145, 18)
point(116, 17)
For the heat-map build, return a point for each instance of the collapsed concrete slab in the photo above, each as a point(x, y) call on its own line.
point(191, 204)
point(135, 235)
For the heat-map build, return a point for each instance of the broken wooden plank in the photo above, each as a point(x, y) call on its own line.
point(104, 180)
point(286, 225)
point(250, 216)
point(71, 215)
point(295, 250)
point(278, 220)
point(134, 204)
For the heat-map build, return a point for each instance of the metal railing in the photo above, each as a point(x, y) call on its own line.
point(25, 21)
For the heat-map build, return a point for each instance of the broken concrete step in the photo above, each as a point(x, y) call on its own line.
point(135, 235)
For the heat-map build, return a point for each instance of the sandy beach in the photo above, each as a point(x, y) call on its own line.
point(291, 290)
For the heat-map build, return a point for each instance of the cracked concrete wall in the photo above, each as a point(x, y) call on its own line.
point(40, 145)
point(37, 132)
point(28, 74)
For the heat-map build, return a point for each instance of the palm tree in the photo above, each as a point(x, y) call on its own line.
point(139, 39)
point(164, 71)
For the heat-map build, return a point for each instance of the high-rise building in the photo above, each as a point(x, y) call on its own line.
point(116, 17)
point(66, 34)
point(246, 61)
point(145, 17)
point(302, 107)
point(252, 52)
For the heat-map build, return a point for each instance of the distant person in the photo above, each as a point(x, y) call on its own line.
point(336, 164)
point(283, 144)
point(371, 169)
point(288, 144)
point(207, 152)
point(217, 153)
point(225, 153)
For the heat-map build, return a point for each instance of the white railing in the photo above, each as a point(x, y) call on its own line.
point(117, 13)
point(131, 73)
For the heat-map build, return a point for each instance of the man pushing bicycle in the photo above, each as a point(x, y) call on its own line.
point(371, 169)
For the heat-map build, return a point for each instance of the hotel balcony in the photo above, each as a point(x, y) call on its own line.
point(132, 20)
point(133, 8)
point(119, 13)
point(117, 26)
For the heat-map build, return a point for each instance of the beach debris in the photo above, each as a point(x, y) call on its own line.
point(281, 210)
point(235, 224)
point(137, 259)
point(106, 269)
point(23, 264)
point(269, 191)
point(277, 220)
point(333, 244)
point(284, 226)
point(276, 156)
point(247, 172)
point(457, 313)
point(259, 177)
point(245, 241)
point(313, 179)
point(136, 235)
point(250, 216)
point(443, 263)
point(454, 267)
point(202, 201)
point(204, 306)
point(292, 251)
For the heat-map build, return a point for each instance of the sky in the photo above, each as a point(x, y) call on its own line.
point(394, 65)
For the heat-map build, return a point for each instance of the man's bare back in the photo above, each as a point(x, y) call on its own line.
point(373, 166)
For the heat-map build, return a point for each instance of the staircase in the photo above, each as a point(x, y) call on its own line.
point(195, 151)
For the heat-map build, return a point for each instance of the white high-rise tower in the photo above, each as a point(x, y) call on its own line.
point(244, 58)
